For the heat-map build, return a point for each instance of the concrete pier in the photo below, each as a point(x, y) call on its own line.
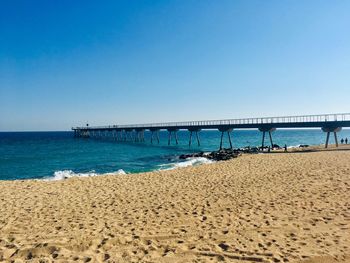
point(329, 123)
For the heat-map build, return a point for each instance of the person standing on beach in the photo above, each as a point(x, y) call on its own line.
point(342, 141)
point(285, 147)
point(346, 140)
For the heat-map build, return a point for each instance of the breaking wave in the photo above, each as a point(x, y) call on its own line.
point(65, 174)
point(193, 161)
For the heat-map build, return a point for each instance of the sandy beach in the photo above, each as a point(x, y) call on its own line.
point(277, 207)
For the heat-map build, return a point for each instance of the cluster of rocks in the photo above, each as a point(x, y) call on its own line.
point(221, 155)
point(227, 154)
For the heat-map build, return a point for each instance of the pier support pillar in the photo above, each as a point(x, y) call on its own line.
point(169, 138)
point(125, 135)
point(196, 132)
point(128, 135)
point(271, 139)
point(136, 136)
point(143, 136)
point(133, 136)
point(264, 130)
point(328, 130)
point(197, 136)
point(173, 131)
point(223, 131)
point(86, 134)
point(154, 133)
point(263, 140)
point(336, 139)
point(139, 135)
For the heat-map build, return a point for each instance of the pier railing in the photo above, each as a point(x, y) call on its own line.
point(242, 121)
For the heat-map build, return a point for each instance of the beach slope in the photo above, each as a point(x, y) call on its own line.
point(285, 207)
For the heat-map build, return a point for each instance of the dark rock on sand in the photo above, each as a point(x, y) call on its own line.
point(221, 155)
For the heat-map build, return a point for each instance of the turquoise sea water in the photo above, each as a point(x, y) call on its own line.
point(27, 155)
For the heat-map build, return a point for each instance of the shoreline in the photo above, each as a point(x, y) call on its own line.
point(265, 208)
point(193, 159)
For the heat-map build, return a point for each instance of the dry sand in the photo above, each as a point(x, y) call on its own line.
point(256, 208)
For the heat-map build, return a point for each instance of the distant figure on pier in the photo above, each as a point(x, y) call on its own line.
point(285, 147)
point(342, 141)
point(346, 140)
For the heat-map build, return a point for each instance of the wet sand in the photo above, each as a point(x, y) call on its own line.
point(277, 207)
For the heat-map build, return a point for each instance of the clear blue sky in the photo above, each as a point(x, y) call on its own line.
point(65, 62)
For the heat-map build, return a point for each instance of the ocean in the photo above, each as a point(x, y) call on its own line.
point(58, 155)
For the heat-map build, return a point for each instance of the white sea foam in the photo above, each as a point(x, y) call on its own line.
point(293, 146)
point(193, 161)
point(65, 174)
